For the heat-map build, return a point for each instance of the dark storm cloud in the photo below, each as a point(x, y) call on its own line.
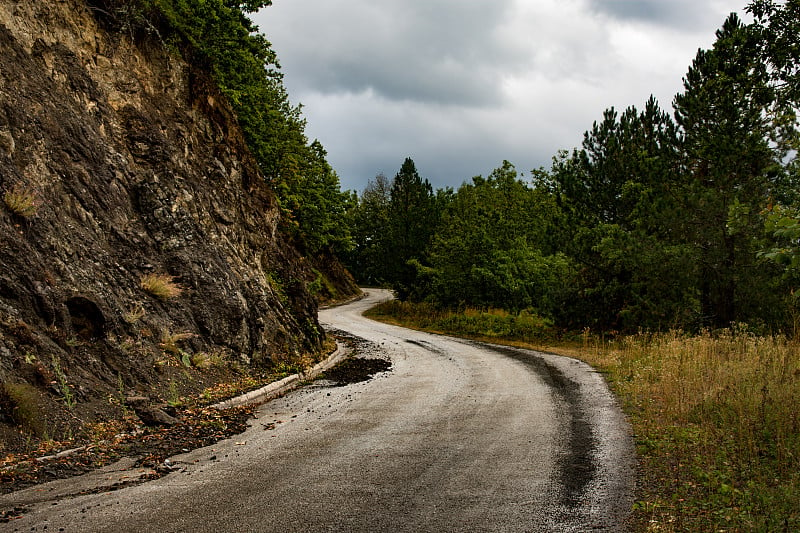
point(680, 14)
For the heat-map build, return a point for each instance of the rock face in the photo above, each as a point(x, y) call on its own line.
point(117, 161)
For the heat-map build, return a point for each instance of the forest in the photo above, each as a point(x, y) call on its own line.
point(662, 219)
point(685, 218)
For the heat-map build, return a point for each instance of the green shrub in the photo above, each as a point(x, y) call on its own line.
point(21, 201)
point(24, 401)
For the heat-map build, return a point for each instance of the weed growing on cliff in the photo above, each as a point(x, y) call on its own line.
point(203, 360)
point(30, 358)
point(162, 286)
point(174, 398)
point(277, 285)
point(72, 342)
point(169, 343)
point(321, 284)
point(22, 201)
point(63, 386)
point(283, 369)
point(133, 315)
point(128, 16)
point(25, 409)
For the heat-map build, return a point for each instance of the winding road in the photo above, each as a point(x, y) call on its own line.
point(457, 436)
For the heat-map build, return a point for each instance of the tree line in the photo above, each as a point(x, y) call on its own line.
point(658, 220)
point(688, 218)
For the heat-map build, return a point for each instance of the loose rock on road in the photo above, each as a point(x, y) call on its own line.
point(457, 436)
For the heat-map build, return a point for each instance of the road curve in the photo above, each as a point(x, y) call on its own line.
point(458, 436)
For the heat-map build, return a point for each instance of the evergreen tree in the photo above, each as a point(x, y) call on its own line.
point(778, 27)
point(369, 260)
point(728, 172)
point(616, 193)
point(412, 220)
point(314, 200)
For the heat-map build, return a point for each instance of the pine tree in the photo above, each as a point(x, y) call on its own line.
point(368, 217)
point(726, 171)
point(412, 221)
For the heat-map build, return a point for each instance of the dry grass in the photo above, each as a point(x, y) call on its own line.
point(204, 361)
point(493, 324)
point(133, 315)
point(162, 286)
point(170, 343)
point(717, 427)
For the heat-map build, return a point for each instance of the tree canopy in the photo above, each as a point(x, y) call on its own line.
point(658, 220)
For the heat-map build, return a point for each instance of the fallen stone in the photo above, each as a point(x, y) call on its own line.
point(150, 415)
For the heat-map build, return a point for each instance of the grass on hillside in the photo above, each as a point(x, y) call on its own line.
point(715, 415)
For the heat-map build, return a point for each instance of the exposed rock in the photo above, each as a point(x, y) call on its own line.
point(134, 165)
point(150, 415)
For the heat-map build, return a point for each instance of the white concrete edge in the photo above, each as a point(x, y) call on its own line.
point(263, 394)
point(286, 384)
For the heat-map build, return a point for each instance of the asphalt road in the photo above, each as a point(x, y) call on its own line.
point(457, 436)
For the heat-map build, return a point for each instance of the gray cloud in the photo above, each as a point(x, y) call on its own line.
point(442, 51)
point(681, 14)
point(461, 85)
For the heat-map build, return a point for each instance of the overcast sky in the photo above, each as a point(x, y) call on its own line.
point(461, 85)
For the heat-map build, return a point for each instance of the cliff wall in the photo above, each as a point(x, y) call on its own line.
point(119, 161)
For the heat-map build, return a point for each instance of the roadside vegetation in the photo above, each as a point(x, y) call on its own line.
point(714, 414)
point(683, 220)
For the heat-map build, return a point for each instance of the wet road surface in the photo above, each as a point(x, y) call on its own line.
point(456, 436)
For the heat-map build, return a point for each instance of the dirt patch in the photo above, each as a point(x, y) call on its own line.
point(356, 369)
point(367, 361)
point(196, 428)
point(122, 433)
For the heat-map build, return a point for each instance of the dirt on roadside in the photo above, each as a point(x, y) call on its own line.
point(196, 427)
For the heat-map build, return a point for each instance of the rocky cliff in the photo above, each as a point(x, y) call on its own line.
point(137, 238)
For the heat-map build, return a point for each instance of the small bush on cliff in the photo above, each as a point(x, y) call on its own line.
point(21, 201)
point(162, 286)
point(25, 408)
